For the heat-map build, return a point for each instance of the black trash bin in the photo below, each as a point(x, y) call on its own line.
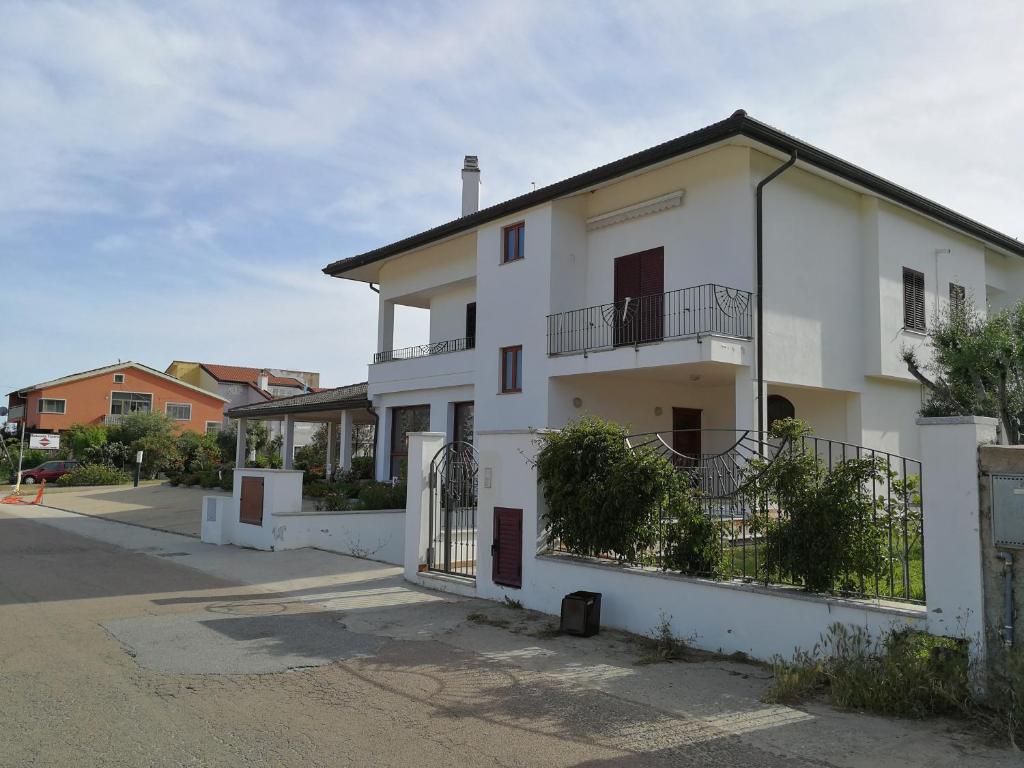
point(581, 613)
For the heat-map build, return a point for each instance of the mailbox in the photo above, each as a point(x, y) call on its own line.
point(1008, 511)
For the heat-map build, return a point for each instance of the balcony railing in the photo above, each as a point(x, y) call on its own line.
point(698, 311)
point(425, 350)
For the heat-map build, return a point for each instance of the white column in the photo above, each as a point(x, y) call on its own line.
point(288, 444)
point(422, 447)
point(952, 538)
point(745, 394)
point(331, 435)
point(240, 452)
point(385, 325)
point(345, 432)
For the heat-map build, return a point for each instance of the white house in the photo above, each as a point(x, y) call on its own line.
point(631, 291)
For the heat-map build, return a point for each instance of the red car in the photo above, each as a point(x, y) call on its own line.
point(48, 471)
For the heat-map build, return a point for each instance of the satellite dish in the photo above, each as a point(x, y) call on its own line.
point(3, 410)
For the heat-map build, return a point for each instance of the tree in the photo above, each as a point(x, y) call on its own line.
point(82, 437)
point(977, 367)
point(151, 433)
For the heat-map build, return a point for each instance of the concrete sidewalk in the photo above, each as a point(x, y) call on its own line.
point(159, 506)
point(486, 664)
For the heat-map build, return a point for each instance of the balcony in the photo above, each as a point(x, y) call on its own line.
point(702, 310)
point(425, 350)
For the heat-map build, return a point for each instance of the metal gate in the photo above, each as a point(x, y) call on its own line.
point(452, 525)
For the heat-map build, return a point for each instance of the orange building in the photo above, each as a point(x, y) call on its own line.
point(105, 395)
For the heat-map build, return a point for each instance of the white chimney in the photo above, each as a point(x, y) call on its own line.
point(264, 379)
point(470, 185)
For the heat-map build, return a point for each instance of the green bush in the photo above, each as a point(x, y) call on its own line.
point(190, 478)
point(317, 489)
point(603, 498)
point(336, 499)
point(227, 479)
point(110, 454)
point(209, 478)
point(94, 474)
point(382, 496)
point(834, 533)
point(81, 437)
point(693, 540)
point(362, 468)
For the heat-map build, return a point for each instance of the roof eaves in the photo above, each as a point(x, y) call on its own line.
point(739, 123)
point(710, 134)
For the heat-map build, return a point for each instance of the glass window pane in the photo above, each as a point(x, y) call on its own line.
point(519, 368)
point(520, 250)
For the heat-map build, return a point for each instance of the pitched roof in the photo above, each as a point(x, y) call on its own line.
point(738, 124)
point(349, 397)
point(112, 368)
point(244, 375)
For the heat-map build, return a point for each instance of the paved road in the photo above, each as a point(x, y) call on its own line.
point(121, 646)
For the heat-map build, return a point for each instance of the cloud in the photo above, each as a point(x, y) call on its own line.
point(186, 168)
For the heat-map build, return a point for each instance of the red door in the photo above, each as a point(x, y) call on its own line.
point(507, 549)
point(687, 442)
point(639, 297)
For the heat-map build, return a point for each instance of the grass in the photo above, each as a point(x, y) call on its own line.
point(745, 562)
point(907, 674)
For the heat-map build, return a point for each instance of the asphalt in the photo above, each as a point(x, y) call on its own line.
point(122, 646)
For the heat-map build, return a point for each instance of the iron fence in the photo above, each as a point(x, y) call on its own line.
point(425, 350)
point(452, 540)
point(889, 511)
point(697, 311)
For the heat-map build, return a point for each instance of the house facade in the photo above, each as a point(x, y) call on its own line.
point(105, 395)
point(242, 386)
point(631, 292)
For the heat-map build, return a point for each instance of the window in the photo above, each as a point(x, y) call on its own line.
point(179, 411)
point(213, 427)
point(51, 405)
point(122, 403)
point(913, 300)
point(512, 242)
point(462, 429)
point(471, 325)
point(119, 378)
point(957, 298)
point(512, 369)
point(414, 418)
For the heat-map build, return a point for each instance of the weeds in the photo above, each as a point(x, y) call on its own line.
point(663, 646)
point(515, 605)
point(907, 674)
point(478, 617)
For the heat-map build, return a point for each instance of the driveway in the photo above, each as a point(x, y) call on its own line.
point(123, 646)
point(162, 507)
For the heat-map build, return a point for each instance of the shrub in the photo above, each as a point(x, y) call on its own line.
point(209, 478)
point(111, 454)
point(335, 500)
point(190, 478)
point(833, 532)
point(94, 474)
point(227, 480)
point(382, 496)
point(693, 540)
point(317, 489)
point(362, 468)
point(81, 437)
point(904, 673)
point(602, 497)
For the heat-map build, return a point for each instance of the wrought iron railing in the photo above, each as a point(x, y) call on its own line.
point(698, 311)
point(726, 483)
point(425, 350)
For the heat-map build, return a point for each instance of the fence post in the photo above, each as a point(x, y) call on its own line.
point(422, 448)
point(952, 539)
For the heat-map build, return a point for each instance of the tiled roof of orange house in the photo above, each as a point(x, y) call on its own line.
point(245, 375)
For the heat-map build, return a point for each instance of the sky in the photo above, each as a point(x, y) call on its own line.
point(174, 176)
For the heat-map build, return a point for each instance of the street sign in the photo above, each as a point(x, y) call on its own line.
point(44, 442)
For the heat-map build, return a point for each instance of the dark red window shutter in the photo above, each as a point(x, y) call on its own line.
point(913, 300)
point(507, 549)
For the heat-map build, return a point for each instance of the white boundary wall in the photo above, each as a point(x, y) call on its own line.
point(718, 616)
point(371, 534)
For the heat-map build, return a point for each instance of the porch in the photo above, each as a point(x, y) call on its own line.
point(351, 426)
